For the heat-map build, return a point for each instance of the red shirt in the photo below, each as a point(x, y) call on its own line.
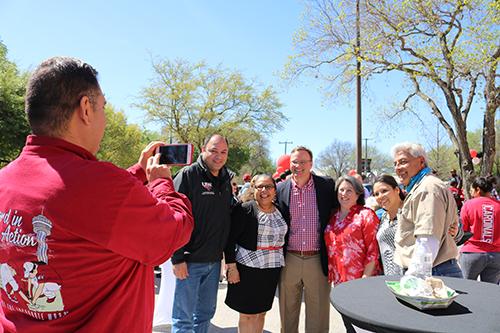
point(351, 244)
point(304, 218)
point(458, 194)
point(79, 239)
point(481, 216)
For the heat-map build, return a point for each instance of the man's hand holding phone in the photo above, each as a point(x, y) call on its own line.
point(155, 170)
point(148, 152)
point(150, 162)
point(157, 158)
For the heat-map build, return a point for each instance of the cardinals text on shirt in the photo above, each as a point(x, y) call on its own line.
point(488, 221)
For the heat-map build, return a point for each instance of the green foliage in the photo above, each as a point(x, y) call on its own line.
point(13, 123)
point(192, 101)
point(442, 159)
point(250, 150)
point(474, 139)
point(122, 142)
point(247, 151)
point(238, 156)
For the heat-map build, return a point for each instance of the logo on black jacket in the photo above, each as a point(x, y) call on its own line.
point(208, 187)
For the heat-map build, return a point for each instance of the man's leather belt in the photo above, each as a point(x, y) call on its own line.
point(304, 253)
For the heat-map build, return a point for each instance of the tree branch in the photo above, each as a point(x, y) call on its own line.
point(435, 110)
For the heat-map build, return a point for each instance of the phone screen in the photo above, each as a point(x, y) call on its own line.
point(176, 154)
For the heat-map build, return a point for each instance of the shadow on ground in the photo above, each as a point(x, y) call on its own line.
point(216, 329)
point(212, 329)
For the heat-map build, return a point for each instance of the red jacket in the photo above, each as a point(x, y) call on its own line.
point(80, 238)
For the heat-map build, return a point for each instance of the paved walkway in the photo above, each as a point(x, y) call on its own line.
point(226, 319)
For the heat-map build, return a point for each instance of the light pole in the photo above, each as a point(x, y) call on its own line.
point(366, 155)
point(358, 92)
point(285, 143)
point(366, 147)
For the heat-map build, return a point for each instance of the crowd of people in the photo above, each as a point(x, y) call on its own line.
point(80, 237)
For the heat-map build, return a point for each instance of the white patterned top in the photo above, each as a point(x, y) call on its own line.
point(270, 240)
point(385, 238)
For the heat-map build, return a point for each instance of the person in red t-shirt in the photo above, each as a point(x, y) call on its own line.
point(80, 237)
point(480, 255)
point(457, 192)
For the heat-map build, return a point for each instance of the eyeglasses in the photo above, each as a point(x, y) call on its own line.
point(300, 162)
point(262, 187)
point(404, 161)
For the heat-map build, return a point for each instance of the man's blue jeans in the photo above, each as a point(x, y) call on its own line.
point(448, 268)
point(195, 298)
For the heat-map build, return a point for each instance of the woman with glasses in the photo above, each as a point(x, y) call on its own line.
point(254, 254)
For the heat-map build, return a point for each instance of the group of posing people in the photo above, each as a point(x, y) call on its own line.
point(80, 237)
point(320, 233)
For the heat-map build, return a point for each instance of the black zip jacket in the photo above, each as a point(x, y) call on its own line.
point(211, 198)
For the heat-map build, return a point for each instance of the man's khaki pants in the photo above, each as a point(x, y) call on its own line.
point(304, 274)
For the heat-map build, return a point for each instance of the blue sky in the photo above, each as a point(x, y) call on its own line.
point(255, 37)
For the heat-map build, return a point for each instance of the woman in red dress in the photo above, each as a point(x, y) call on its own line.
point(351, 237)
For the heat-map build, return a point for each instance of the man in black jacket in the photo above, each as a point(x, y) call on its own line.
point(306, 201)
point(197, 265)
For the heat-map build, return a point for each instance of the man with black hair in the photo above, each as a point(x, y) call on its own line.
point(454, 176)
point(197, 266)
point(84, 234)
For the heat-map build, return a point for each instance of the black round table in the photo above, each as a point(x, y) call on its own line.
point(372, 306)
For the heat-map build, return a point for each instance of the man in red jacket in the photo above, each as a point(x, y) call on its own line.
point(80, 237)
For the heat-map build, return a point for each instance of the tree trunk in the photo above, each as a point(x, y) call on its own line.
point(466, 167)
point(489, 136)
point(492, 97)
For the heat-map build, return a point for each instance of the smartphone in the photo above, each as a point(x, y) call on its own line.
point(176, 154)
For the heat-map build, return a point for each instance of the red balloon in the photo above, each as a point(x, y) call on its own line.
point(280, 170)
point(283, 161)
point(473, 153)
point(352, 172)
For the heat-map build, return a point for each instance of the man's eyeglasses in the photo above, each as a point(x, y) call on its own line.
point(403, 161)
point(262, 187)
point(300, 162)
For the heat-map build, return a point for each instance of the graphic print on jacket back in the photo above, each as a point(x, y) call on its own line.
point(31, 285)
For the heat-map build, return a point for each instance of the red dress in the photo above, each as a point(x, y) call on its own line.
point(351, 244)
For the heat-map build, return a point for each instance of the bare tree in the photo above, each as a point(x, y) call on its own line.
point(336, 159)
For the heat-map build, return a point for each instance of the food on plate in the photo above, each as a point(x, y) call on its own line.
point(430, 287)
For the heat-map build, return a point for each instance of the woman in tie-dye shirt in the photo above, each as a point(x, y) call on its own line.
point(351, 237)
